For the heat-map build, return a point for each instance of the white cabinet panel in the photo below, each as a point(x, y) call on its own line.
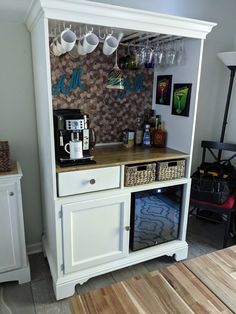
point(9, 232)
point(83, 181)
point(95, 232)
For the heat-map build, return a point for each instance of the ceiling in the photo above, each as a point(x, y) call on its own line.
point(14, 10)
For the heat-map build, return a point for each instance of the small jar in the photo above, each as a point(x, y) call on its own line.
point(128, 138)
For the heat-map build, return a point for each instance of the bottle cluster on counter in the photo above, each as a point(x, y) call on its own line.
point(149, 131)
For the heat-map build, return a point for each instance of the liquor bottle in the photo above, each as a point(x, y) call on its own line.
point(147, 135)
point(159, 135)
point(139, 132)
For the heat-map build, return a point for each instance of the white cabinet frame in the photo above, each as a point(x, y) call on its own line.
point(111, 16)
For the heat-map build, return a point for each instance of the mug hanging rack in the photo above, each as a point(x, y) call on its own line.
point(131, 39)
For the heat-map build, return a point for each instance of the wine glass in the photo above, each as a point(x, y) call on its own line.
point(170, 54)
point(148, 57)
point(158, 55)
point(180, 54)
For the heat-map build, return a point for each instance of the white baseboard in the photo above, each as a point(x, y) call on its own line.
point(34, 248)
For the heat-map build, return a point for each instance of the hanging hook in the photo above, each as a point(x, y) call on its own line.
point(99, 34)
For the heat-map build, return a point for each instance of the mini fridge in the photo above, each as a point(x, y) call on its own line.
point(155, 216)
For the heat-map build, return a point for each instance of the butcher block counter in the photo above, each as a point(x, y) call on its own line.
point(117, 155)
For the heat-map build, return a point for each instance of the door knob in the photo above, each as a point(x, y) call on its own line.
point(92, 181)
point(127, 228)
point(11, 193)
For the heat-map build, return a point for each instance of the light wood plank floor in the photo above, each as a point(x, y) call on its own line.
point(37, 296)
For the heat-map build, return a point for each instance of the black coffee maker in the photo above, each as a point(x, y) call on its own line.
point(73, 125)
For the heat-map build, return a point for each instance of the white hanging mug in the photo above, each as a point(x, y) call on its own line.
point(57, 47)
point(111, 43)
point(90, 42)
point(76, 149)
point(68, 39)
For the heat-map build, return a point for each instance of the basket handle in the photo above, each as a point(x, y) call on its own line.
point(141, 168)
point(172, 163)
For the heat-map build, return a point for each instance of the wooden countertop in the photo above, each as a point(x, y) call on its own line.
point(117, 155)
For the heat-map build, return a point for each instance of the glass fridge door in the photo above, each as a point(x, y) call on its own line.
point(155, 216)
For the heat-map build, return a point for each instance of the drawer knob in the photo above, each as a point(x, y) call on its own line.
point(11, 193)
point(127, 228)
point(92, 181)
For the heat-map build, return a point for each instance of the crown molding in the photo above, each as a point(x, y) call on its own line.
point(94, 13)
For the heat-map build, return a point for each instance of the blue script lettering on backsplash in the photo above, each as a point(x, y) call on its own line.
point(75, 82)
point(61, 87)
point(129, 87)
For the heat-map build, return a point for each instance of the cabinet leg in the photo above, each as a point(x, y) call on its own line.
point(67, 289)
point(181, 254)
point(24, 275)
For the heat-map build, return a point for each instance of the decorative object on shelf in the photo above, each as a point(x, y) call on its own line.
point(163, 89)
point(4, 156)
point(181, 99)
point(115, 78)
point(229, 59)
point(169, 170)
point(140, 174)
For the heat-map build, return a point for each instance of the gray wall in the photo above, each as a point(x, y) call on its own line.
point(17, 109)
point(17, 118)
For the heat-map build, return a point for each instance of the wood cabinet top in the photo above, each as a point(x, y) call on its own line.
point(117, 155)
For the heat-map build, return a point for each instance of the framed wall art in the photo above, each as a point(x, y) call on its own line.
point(181, 99)
point(163, 91)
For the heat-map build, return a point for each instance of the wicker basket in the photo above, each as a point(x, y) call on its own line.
point(4, 156)
point(169, 170)
point(140, 174)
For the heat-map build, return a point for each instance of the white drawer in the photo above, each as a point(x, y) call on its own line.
point(83, 181)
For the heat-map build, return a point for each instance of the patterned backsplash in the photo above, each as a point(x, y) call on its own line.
point(110, 111)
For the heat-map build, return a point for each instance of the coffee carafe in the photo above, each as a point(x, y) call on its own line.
point(74, 139)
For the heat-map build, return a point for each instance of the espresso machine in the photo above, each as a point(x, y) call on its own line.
point(71, 126)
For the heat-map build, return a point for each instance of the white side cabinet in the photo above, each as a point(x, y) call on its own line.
point(95, 232)
point(13, 260)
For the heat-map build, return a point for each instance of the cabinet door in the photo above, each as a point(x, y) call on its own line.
point(95, 232)
point(9, 229)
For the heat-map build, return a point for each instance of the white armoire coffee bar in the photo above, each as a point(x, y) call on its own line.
point(86, 209)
